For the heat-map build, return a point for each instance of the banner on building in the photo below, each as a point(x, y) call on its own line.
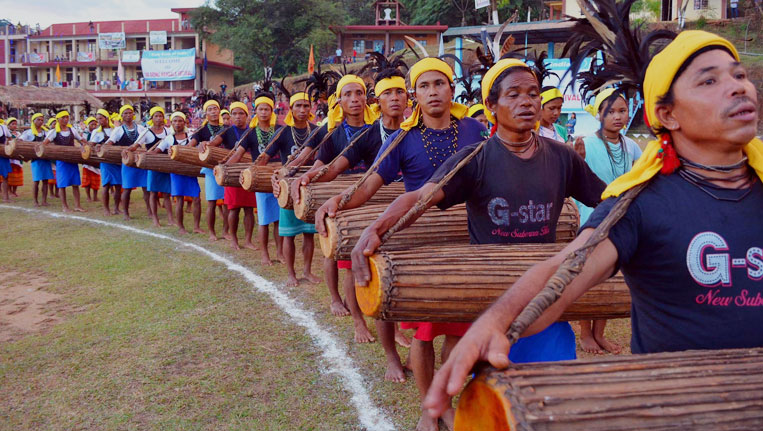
point(130, 56)
point(169, 65)
point(157, 37)
point(37, 58)
point(111, 40)
point(85, 56)
point(479, 4)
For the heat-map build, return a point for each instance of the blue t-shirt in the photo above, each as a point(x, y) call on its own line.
point(411, 158)
point(694, 266)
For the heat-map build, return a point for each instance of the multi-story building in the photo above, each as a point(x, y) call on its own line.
point(31, 56)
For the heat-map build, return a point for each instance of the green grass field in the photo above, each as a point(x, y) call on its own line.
point(158, 336)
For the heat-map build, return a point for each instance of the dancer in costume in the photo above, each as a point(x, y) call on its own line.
point(42, 171)
point(91, 176)
point(551, 99)
point(127, 135)
point(67, 174)
point(16, 177)
point(111, 174)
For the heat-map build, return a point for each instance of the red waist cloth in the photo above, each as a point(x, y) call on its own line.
point(236, 197)
point(427, 331)
point(344, 264)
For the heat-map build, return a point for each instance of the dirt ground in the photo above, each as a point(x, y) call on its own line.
point(27, 305)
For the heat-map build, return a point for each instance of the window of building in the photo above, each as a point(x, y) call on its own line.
point(140, 44)
point(700, 4)
point(92, 75)
point(69, 74)
point(359, 45)
point(399, 45)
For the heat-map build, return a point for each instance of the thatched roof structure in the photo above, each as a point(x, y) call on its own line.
point(17, 96)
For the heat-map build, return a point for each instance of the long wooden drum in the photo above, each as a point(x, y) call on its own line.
point(163, 163)
point(129, 158)
point(314, 195)
point(64, 153)
point(256, 178)
point(284, 183)
point(457, 283)
point(21, 150)
point(216, 155)
point(188, 155)
point(697, 390)
point(433, 228)
point(228, 175)
point(110, 154)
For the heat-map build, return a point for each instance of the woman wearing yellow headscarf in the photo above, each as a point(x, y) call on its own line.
point(111, 174)
point(42, 171)
point(16, 177)
point(676, 240)
point(67, 174)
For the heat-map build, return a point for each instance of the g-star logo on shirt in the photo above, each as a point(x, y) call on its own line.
point(498, 209)
point(709, 268)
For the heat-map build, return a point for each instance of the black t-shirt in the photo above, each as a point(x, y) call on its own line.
point(342, 137)
point(256, 142)
point(513, 200)
point(693, 264)
point(205, 133)
point(234, 134)
point(289, 141)
point(364, 152)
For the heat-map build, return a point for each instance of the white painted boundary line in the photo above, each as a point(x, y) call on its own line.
point(339, 361)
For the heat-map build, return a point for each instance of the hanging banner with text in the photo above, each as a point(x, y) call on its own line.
point(479, 4)
point(157, 37)
point(169, 65)
point(130, 56)
point(111, 40)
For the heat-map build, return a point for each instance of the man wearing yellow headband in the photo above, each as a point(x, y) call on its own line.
point(42, 171)
point(689, 244)
point(267, 205)
point(111, 174)
point(126, 135)
point(213, 192)
point(551, 100)
point(225, 118)
point(237, 198)
point(477, 111)
point(298, 129)
point(67, 174)
point(91, 176)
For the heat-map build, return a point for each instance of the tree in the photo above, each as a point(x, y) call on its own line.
point(269, 33)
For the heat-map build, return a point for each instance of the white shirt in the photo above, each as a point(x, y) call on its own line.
point(170, 141)
point(118, 132)
point(149, 139)
point(52, 134)
point(550, 133)
point(98, 135)
point(29, 136)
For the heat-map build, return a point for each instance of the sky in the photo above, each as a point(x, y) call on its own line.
point(47, 12)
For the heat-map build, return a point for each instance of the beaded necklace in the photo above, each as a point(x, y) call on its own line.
point(263, 138)
point(299, 139)
point(438, 155)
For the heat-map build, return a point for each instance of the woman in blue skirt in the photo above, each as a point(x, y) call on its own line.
point(124, 136)
point(67, 174)
point(42, 171)
point(5, 165)
point(182, 185)
point(111, 174)
point(157, 182)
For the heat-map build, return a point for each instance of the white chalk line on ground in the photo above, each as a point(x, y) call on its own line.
point(339, 360)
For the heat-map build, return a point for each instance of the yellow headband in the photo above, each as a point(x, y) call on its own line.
point(550, 95)
point(388, 83)
point(477, 107)
point(336, 114)
point(429, 64)
point(264, 99)
point(289, 120)
point(50, 122)
point(659, 77)
point(268, 101)
point(88, 120)
point(125, 108)
point(32, 125)
point(178, 114)
point(106, 114)
point(223, 112)
point(296, 97)
point(209, 103)
point(235, 105)
point(151, 112)
point(489, 79)
point(62, 114)
point(11, 120)
point(600, 98)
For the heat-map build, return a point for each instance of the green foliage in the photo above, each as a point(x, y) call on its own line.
point(701, 22)
point(646, 10)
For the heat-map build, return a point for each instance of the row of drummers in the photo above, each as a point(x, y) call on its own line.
point(435, 275)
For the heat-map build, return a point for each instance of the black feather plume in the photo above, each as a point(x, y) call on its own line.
point(319, 84)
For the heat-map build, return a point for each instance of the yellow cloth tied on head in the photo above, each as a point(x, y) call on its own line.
point(600, 98)
point(106, 114)
point(59, 116)
point(12, 119)
point(477, 107)
point(296, 97)
point(88, 120)
point(384, 85)
point(32, 125)
point(151, 112)
point(178, 114)
point(659, 77)
point(336, 114)
point(208, 103)
point(549, 95)
point(431, 64)
point(268, 101)
point(125, 108)
point(489, 79)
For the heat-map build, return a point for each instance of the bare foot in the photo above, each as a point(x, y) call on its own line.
point(227, 236)
point(235, 245)
point(312, 278)
point(362, 334)
point(36, 204)
point(182, 231)
point(395, 372)
point(401, 339)
point(292, 281)
point(212, 237)
point(339, 310)
point(250, 245)
point(588, 344)
point(280, 258)
point(45, 204)
point(265, 260)
point(608, 345)
point(126, 217)
point(117, 211)
point(449, 417)
point(427, 423)
point(67, 210)
point(107, 213)
point(80, 210)
point(199, 231)
point(157, 224)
